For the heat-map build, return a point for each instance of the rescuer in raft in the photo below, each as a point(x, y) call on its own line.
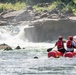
point(70, 44)
point(60, 45)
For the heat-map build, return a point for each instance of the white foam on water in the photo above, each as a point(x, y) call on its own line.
point(15, 36)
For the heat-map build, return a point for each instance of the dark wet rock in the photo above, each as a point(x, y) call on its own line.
point(3, 44)
point(18, 47)
point(54, 11)
point(23, 48)
point(44, 15)
point(67, 13)
point(53, 16)
point(8, 48)
point(45, 11)
point(29, 8)
point(35, 57)
point(43, 4)
point(5, 47)
point(37, 14)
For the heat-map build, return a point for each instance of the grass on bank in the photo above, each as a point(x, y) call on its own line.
point(49, 8)
point(10, 6)
point(21, 5)
point(63, 7)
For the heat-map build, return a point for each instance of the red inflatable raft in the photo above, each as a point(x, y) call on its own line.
point(69, 54)
point(54, 54)
point(57, 54)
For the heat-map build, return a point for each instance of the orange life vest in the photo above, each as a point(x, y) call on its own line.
point(60, 44)
point(69, 44)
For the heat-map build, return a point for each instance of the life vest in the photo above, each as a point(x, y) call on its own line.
point(69, 44)
point(60, 44)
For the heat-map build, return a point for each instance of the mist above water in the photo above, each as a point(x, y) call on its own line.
point(15, 36)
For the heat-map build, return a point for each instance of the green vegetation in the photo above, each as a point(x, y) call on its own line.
point(63, 5)
point(10, 6)
point(48, 8)
point(10, 1)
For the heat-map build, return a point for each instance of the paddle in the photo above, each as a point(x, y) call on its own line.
point(48, 50)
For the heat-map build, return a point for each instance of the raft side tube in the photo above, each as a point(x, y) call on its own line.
point(69, 54)
point(53, 54)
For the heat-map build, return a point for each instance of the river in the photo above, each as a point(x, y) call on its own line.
point(22, 62)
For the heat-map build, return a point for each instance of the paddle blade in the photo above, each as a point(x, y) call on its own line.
point(48, 50)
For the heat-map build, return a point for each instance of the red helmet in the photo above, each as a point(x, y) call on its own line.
point(60, 37)
point(70, 37)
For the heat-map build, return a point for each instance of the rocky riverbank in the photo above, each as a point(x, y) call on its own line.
point(7, 47)
point(29, 14)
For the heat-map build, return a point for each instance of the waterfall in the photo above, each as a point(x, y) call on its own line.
point(15, 36)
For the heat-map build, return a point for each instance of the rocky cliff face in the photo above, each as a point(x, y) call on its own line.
point(50, 30)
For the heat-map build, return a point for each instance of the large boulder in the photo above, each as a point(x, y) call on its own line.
point(50, 29)
point(5, 47)
point(18, 47)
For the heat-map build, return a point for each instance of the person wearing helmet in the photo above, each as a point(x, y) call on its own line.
point(70, 44)
point(60, 45)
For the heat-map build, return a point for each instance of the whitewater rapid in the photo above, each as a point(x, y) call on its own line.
point(15, 36)
point(22, 62)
